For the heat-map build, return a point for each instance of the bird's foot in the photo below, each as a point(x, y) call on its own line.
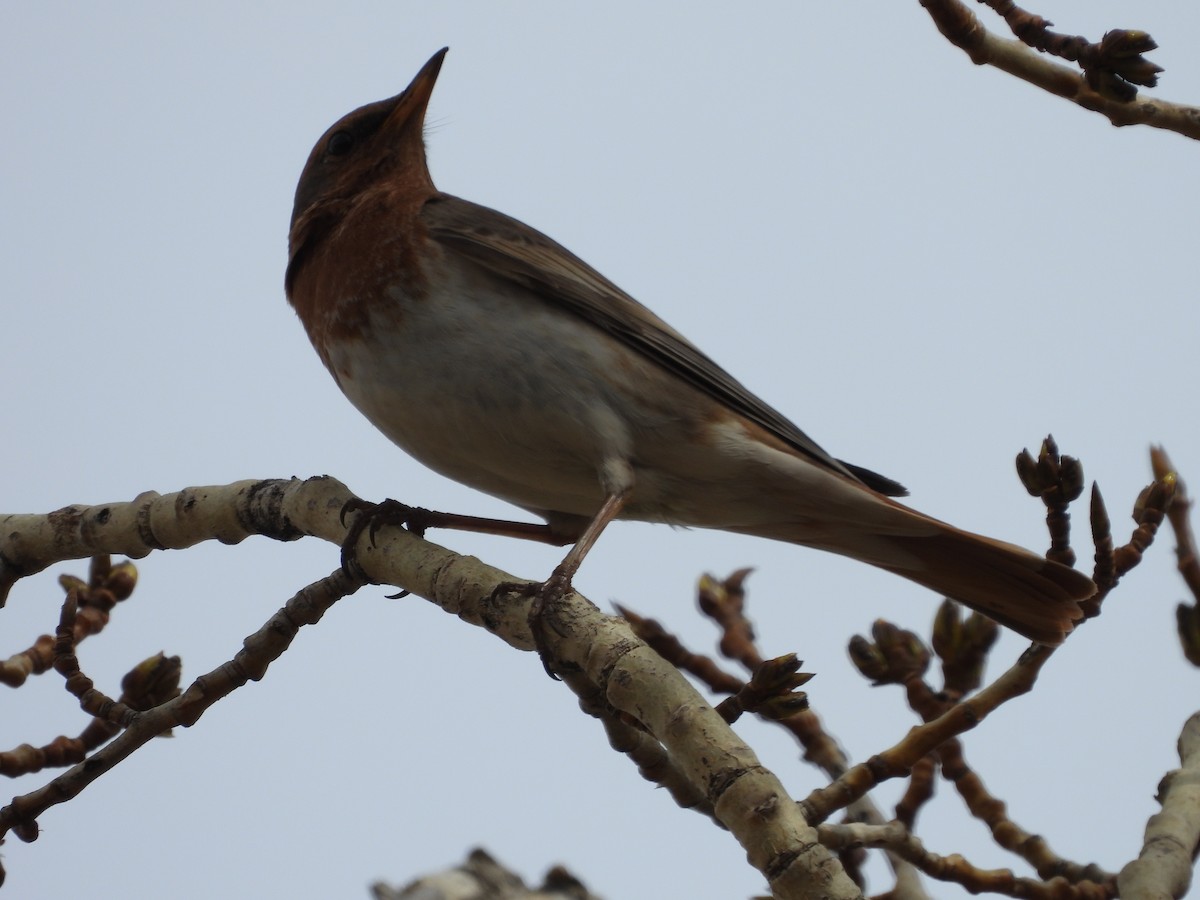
point(544, 610)
point(370, 517)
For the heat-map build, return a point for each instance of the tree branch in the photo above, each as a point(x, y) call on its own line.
point(599, 655)
point(1164, 867)
point(963, 29)
point(259, 650)
point(954, 868)
point(922, 739)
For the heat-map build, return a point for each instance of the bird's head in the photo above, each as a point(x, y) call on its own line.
point(377, 146)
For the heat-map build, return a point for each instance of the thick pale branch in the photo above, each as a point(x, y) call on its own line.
point(284, 510)
point(724, 600)
point(1164, 867)
point(610, 661)
point(482, 877)
point(653, 761)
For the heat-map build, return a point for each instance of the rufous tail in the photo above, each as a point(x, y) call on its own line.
point(1019, 589)
point(1026, 592)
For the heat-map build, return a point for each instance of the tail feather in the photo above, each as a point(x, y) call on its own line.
point(1025, 592)
point(1019, 589)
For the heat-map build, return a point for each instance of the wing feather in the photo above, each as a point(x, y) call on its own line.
point(518, 253)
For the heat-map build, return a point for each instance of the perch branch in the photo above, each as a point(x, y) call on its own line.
point(747, 798)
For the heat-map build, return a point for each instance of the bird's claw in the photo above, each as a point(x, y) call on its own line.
point(370, 517)
point(545, 596)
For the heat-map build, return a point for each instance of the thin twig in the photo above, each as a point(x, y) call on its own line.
point(963, 29)
point(955, 868)
point(249, 664)
point(900, 759)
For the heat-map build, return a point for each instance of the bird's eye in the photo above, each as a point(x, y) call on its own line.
point(340, 143)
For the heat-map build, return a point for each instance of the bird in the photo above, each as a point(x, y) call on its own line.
point(498, 358)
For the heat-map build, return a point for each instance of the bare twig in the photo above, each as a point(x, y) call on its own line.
point(955, 868)
point(899, 759)
point(1187, 615)
point(962, 643)
point(993, 812)
point(259, 650)
point(1113, 563)
point(1058, 481)
point(1114, 66)
point(1179, 515)
point(150, 682)
point(107, 585)
point(963, 29)
point(898, 657)
point(724, 602)
point(921, 788)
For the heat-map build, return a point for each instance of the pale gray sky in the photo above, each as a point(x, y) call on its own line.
point(926, 264)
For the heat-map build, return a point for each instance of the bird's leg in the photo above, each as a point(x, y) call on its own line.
point(550, 592)
point(418, 520)
point(370, 517)
point(565, 570)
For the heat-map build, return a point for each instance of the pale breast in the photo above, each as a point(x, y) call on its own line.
point(496, 389)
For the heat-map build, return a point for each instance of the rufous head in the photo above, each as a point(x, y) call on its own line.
point(377, 143)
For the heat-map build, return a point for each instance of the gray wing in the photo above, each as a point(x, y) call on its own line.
point(527, 257)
